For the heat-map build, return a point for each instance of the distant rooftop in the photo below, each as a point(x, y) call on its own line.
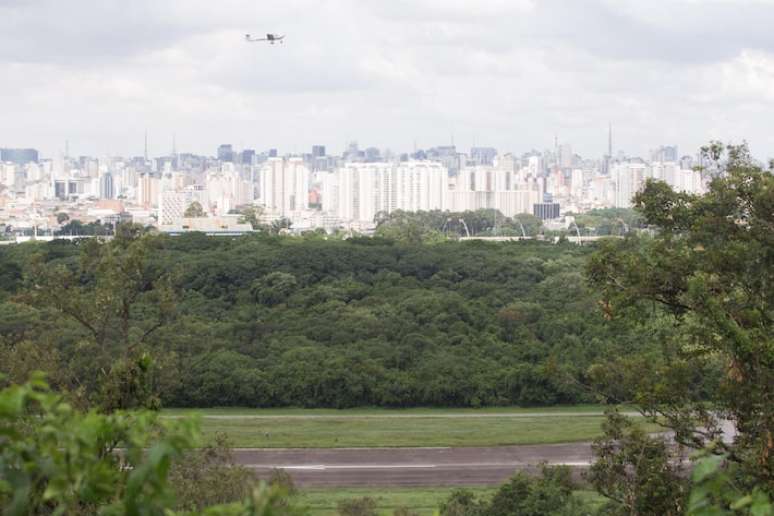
point(214, 226)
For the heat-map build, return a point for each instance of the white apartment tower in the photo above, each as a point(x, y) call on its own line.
point(485, 187)
point(629, 179)
point(365, 189)
point(285, 186)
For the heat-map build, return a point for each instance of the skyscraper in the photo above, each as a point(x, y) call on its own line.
point(19, 156)
point(482, 155)
point(148, 191)
point(285, 186)
point(248, 157)
point(365, 189)
point(226, 153)
point(628, 178)
point(106, 186)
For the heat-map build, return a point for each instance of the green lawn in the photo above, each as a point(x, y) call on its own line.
point(283, 432)
point(323, 502)
point(375, 411)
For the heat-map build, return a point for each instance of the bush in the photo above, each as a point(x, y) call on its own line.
point(365, 506)
point(549, 494)
point(282, 479)
point(463, 503)
point(209, 476)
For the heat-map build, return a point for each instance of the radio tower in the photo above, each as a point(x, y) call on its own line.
point(146, 145)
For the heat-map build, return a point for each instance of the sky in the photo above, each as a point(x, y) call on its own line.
point(393, 74)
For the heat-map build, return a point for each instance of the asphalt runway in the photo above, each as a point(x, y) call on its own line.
point(353, 467)
point(513, 415)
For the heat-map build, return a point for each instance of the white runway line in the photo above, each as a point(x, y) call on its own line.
point(325, 467)
point(401, 416)
point(322, 467)
point(356, 448)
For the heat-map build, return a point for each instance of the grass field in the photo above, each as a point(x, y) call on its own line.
point(379, 428)
point(423, 501)
point(323, 502)
point(375, 411)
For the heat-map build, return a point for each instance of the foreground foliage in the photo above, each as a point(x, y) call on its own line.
point(550, 494)
point(57, 460)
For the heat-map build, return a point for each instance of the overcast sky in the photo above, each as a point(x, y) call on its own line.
point(387, 73)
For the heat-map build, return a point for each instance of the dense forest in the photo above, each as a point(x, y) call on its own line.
point(277, 321)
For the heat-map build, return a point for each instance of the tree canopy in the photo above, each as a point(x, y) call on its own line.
point(703, 289)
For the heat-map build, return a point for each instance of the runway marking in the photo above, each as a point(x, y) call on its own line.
point(397, 416)
point(354, 448)
point(325, 467)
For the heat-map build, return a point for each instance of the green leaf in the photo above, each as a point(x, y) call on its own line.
point(706, 467)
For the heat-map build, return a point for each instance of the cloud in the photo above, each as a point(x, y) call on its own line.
point(503, 72)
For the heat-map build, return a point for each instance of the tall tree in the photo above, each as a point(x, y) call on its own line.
point(118, 299)
point(708, 270)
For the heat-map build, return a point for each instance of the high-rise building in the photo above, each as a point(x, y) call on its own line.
point(628, 178)
point(665, 153)
point(226, 189)
point(576, 182)
point(535, 166)
point(19, 156)
point(372, 155)
point(671, 153)
point(106, 186)
point(318, 151)
point(365, 189)
point(148, 191)
point(8, 174)
point(248, 157)
point(285, 186)
point(482, 155)
point(499, 188)
point(329, 191)
point(448, 156)
point(420, 186)
point(226, 153)
point(546, 210)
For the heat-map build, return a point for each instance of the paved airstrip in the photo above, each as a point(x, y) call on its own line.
point(430, 415)
point(410, 466)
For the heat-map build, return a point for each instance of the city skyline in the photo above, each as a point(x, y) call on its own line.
point(511, 75)
point(321, 191)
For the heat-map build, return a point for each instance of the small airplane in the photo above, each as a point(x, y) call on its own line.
point(271, 38)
